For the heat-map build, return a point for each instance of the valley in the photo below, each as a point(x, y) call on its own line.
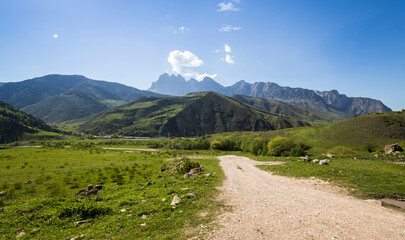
point(180, 167)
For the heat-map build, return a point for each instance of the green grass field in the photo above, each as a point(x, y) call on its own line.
point(40, 186)
point(363, 175)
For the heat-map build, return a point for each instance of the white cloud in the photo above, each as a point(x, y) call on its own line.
point(229, 28)
point(227, 48)
point(55, 35)
point(228, 59)
point(179, 59)
point(227, 6)
point(180, 30)
point(217, 51)
point(200, 77)
point(236, 1)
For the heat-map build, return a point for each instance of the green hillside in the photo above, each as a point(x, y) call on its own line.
point(293, 111)
point(359, 133)
point(14, 123)
point(59, 98)
point(77, 103)
point(191, 115)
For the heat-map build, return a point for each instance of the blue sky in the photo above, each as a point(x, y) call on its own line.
point(356, 47)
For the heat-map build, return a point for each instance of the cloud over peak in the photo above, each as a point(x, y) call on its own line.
point(179, 59)
point(183, 62)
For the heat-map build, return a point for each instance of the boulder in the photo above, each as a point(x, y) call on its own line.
point(93, 191)
point(89, 187)
point(195, 170)
point(2, 193)
point(306, 159)
point(175, 201)
point(392, 148)
point(99, 187)
point(81, 192)
point(324, 162)
point(187, 175)
point(191, 195)
point(330, 155)
point(315, 161)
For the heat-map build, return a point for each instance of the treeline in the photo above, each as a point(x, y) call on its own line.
point(278, 146)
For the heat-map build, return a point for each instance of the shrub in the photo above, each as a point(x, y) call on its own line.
point(225, 144)
point(371, 147)
point(216, 145)
point(187, 165)
point(340, 150)
point(83, 210)
point(280, 146)
point(258, 146)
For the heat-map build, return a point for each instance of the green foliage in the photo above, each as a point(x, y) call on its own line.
point(280, 146)
point(341, 150)
point(371, 147)
point(225, 144)
point(186, 165)
point(83, 210)
point(258, 146)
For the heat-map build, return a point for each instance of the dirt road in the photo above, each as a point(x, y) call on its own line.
point(266, 206)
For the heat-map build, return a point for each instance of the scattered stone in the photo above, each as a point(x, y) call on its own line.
point(324, 162)
point(187, 175)
point(195, 171)
point(123, 210)
point(143, 216)
point(191, 194)
point(77, 237)
point(306, 159)
point(93, 191)
point(148, 184)
point(185, 189)
point(164, 186)
point(354, 158)
point(20, 234)
point(315, 161)
point(143, 200)
point(78, 223)
point(89, 187)
point(2, 193)
point(330, 155)
point(164, 199)
point(81, 192)
point(99, 187)
point(392, 148)
point(176, 200)
point(143, 224)
point(208, 174)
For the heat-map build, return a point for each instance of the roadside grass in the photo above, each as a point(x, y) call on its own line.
point(363, 175)
point(40, 186)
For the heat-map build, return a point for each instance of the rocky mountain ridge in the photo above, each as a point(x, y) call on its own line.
point(326, 102)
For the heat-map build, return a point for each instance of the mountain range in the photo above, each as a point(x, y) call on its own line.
point(327, 102)
point(59, 98)
point(191, 115)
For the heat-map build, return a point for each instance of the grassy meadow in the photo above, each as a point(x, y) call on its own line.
point(363, 175)
point(135, 202)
